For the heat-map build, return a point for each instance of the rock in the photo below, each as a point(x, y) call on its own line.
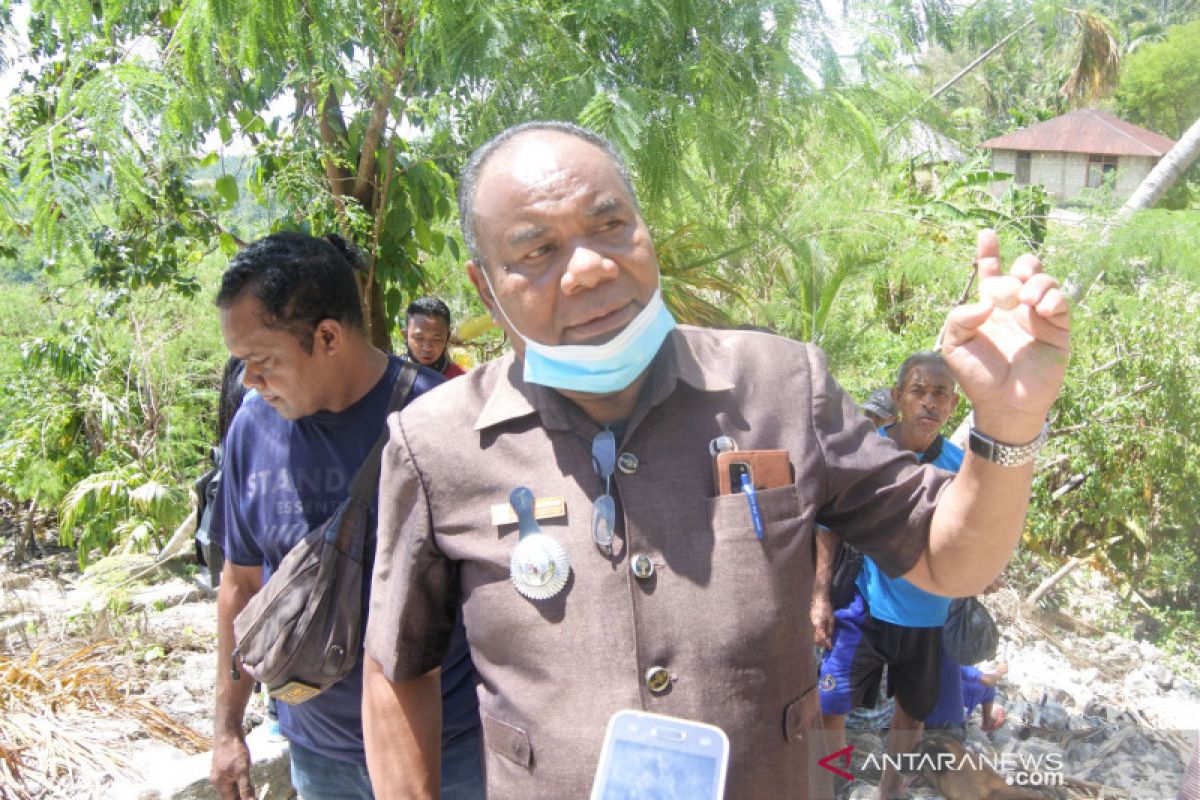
point(1002, 736)
point(976, 739)
point(164, 692)
point(1103, 712)
point(1163, 676)
point(1078, 752)
point(862, 791)
point(1082, 723)
point(1020, 712)
point(172, 593)
point(186, 777)
point(1139, 682)
point(199, 674)
point(17, 623)
point(1053, 716)
point(12, 581)
point(866, 743)
point(1149, 653)
point(1122, 652)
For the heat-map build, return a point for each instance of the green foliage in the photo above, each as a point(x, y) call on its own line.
point(1124, 485)
point(108, 409)
point(1160, 82)
point(387, 99)
point(123, 505)
point(1070, 56)
point(774, 193)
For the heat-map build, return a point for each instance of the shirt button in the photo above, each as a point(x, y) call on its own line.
point(627, 462)
point(642, 566)
point(657, 679)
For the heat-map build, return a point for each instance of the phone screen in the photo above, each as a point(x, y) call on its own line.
point(644, 771)
point(655, 757)
point(736, 470)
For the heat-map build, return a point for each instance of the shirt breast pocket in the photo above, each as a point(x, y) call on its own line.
point(730, 519)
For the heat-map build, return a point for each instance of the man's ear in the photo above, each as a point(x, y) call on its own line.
point(475, 273)
point(954, 402)
point(329, 337)
point(896, 399)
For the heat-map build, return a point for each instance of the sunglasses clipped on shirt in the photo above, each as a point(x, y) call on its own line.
point(604, 510)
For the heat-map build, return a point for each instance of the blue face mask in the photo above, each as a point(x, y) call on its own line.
point(597, 368)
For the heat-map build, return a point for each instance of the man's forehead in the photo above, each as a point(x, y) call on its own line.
point(530, 230)
point(247, 333)
point(924, 375)
point(426, 321)
point(543, 159)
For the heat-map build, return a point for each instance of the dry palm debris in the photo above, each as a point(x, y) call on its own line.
point(48, 713)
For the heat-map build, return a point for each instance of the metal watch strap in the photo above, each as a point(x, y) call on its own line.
point(1006, 455)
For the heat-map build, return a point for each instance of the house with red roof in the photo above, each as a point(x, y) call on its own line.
point(1078, 150)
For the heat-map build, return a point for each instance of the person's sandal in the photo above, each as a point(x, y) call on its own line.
point(997, 719)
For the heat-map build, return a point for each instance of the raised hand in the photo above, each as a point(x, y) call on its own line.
point(1009, 350)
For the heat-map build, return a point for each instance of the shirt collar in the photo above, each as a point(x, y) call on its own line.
point(679, 359)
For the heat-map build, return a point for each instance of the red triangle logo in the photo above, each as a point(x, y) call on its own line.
point(843, 754)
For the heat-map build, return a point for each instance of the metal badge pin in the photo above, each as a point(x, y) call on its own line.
point(539, 565)
point(722, 444)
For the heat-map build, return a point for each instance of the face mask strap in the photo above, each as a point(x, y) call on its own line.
point(496, 300)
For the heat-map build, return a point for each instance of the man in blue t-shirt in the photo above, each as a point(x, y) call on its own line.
point(290, 308)
point(889, 621)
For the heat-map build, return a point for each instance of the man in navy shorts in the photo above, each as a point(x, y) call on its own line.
point(888, 620)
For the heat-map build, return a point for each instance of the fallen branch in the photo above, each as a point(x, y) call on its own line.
point(1073, 483)
point(1048, 584)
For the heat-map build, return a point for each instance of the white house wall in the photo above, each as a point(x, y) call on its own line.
point(1064, 175)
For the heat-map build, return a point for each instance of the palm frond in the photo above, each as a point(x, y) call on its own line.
point(1097, 62)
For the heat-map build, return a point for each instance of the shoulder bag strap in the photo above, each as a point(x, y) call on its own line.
point(349, 533)
point(366, 480)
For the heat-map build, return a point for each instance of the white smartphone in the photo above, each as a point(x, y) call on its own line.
point(653, 757)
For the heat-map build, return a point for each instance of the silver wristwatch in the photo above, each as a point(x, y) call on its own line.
point(1006, 455)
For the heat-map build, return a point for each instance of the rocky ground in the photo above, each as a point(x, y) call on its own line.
point(1115, 715)
point(1090, 714)
point(150, 633)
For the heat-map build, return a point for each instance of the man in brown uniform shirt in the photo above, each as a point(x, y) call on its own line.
point(691, 614)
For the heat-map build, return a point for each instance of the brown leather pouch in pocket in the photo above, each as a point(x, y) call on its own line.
point(507, 741)
point(768, 469)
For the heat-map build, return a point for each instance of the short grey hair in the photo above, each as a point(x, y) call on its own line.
point(468, 182)
point(922, 358)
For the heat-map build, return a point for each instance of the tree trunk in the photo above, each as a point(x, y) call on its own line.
point(374, 317)
point(1164, 175)
point(26, 540)
point(1160, 180)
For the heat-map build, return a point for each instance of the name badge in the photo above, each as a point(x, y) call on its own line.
point(543, 508)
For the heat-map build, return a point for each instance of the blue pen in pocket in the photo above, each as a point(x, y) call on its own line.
point(752, 501)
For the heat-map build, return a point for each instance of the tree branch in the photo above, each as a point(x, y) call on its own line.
point(332, 128)
point(1073, 483)
point(364, 182)
point(1053, 580)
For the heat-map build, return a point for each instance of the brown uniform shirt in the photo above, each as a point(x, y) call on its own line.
point(726, 615)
